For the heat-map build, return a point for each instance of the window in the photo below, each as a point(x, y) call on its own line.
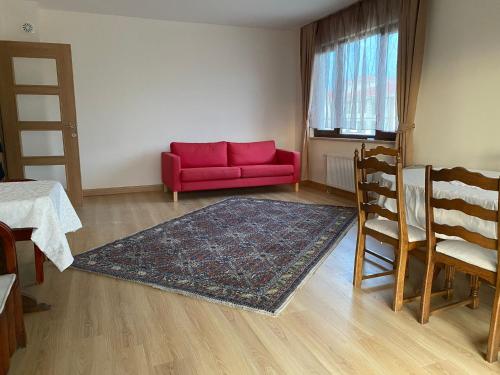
point(354, 86)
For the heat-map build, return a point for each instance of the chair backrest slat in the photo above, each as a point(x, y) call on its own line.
point(381, 190)
point(372, 208)
point(380, 150)
point(466, 177)
point(467, 235)
point(465, 207)
point(373, 165)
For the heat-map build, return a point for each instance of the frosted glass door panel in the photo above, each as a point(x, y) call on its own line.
point(42, 143)
point(34, 71)
point(46, 172)
point(38, 107)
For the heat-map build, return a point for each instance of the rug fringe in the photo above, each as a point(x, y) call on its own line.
point(181, 292)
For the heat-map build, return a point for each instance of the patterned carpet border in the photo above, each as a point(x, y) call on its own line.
point(326, 247)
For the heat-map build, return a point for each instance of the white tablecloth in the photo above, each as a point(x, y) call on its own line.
point(44, 206)
point(414, 186)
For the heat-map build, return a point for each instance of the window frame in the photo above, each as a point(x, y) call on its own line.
point(335, 133)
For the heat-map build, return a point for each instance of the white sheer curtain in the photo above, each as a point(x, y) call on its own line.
point(354, 83)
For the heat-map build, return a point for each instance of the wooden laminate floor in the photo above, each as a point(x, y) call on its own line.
point(100, 325)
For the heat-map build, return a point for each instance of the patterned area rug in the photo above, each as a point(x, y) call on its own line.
point(243, 252)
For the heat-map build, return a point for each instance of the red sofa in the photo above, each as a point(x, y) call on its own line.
point(219, 165)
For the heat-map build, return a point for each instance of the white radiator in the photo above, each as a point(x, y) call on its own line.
point(340, 172)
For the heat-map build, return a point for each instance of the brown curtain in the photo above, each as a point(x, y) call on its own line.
point(307, 51)
point(356, 21)
point(412, 25)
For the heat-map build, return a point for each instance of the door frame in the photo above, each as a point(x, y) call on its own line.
point(64, 88)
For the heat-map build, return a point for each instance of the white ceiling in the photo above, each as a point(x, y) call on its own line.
point(281, 14)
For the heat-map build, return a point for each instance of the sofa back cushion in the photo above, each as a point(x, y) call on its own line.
point(195, 155)
point(251, 153)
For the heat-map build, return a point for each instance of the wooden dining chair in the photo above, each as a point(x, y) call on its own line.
point(24, 234)
point(12, 331)
point(473, 253)
point(390, 227)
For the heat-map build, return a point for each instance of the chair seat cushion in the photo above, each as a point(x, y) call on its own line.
point(390, 228)
point(210, 173)
point(266, 170)
point(6, 282)
point(469, 253)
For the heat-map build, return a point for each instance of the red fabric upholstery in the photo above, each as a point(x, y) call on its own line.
point(171, 170)
point(204, 166)
point(266, 170)
point(251, 153)
point(290, 157)
point(210, 173)
point(195, 155)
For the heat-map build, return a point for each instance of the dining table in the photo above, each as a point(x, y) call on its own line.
point(45, 209)
point(414, 191)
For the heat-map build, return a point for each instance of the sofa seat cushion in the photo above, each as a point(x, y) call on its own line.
point(266, 170)
point(251, 153)
point(195, 155)
point(469, 253)
point(209, 173)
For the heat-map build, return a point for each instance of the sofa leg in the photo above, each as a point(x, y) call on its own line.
point(165, 188)
point(296, 187)
point(174, 196)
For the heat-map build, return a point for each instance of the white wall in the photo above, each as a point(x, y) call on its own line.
point(458, 112)
point(140, 84)
point(13, 14)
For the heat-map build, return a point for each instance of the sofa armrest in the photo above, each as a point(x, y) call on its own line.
point(290, 157)
point(171, 171)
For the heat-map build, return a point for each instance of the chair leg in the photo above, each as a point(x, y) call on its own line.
point(4, 344)
point(39, 259)
point(399, 282)
point(494, 336)
point(449, 277)
point(425, 300)
point(474, 292)
point(407, 274)
point(11, 327)
point(359, 260)
point(19, 317)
